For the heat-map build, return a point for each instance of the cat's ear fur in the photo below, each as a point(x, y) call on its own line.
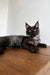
point(37, 24)
point(27, 25)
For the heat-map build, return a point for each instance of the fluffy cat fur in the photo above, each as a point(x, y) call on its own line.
point(29, 42)
point(14, 41)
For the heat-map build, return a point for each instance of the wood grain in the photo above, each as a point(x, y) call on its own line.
point(22, 62)
point(45, 70)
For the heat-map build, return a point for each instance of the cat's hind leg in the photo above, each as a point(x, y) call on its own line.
point(4, 43)
point(2, 50)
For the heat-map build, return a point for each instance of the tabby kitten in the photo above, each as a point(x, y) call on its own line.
point(34, 33)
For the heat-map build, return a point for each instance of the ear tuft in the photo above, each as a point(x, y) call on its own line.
point(27, 25)
point(37, 24)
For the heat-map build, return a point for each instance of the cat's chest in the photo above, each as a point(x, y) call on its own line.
point(36, 39)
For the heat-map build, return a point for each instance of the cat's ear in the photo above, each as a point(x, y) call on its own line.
point(37, 24)
point(27, 25)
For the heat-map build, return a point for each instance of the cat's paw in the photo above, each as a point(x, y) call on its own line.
point(34, 49)
point(2, 51)
point(42, 45)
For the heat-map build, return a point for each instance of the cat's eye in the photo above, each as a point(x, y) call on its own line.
point(34, 30)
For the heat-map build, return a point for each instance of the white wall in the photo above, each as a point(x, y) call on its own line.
point(30, 11)
point(3, 17)
point(16, 17)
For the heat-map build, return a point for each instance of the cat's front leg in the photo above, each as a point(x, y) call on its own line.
point(33, 48)
point(42, 45)
point(2, 50)
point(28, 43)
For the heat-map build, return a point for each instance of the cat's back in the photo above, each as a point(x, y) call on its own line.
point(15, 39)
point(12, 39)
point(3, 38)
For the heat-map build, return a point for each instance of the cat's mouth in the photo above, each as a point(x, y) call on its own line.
point(33, 35)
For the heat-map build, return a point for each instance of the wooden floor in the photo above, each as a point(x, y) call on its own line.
point(22, 62)
point(45, 70)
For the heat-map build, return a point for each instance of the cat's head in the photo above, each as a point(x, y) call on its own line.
point(32, 30)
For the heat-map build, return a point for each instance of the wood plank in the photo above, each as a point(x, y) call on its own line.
point(45, 70)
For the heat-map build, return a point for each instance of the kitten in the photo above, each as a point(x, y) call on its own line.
point(34, 33)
